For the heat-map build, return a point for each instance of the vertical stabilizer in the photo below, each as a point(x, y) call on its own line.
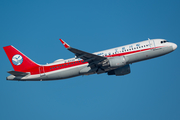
point(18, 60)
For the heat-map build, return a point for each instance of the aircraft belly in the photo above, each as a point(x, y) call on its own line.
point(65, 73)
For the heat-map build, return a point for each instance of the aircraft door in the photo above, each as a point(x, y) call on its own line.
point(41, 71)
point(152, 43)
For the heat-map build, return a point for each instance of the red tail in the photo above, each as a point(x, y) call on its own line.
point(19, 61)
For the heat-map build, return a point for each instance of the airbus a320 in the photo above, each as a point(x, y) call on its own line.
point(113, 61)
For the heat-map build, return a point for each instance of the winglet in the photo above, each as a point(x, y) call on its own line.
point(64, 43)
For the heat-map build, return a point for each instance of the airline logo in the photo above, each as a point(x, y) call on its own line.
point(17, 59)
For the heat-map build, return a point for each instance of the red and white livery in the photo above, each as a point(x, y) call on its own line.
point(113, 61)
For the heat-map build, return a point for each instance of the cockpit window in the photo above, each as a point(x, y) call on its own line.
point(164, 41)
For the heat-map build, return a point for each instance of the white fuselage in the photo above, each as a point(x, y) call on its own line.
point(62, 69)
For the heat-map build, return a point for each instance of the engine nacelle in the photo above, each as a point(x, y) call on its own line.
point(59, 60)
point(117, 61)
point(120, 71)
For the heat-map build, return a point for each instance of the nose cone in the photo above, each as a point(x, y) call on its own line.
point(174, 46)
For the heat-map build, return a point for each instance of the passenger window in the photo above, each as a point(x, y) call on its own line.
point(50, 68)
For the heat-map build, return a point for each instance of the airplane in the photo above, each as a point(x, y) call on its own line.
point(113, 61)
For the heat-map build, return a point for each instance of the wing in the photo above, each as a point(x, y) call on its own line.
point(87, 57)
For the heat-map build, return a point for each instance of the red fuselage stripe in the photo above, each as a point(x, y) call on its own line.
point(52, 68)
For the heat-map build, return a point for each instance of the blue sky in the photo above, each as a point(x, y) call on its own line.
point(34, 27)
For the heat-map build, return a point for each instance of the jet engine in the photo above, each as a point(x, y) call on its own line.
point(120, 71)
point(116, 61)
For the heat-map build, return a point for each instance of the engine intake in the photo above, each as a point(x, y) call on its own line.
point(120, 71)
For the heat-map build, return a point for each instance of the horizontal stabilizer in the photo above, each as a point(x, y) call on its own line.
point(16, 73)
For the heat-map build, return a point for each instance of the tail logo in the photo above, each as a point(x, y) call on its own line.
point(17, 59)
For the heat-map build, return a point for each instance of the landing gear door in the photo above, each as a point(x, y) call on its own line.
point(152, 43)
point(41, 71)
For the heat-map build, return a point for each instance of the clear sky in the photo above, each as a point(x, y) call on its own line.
point(150, 92)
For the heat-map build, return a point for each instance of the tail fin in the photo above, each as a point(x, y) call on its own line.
point(19, 61)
